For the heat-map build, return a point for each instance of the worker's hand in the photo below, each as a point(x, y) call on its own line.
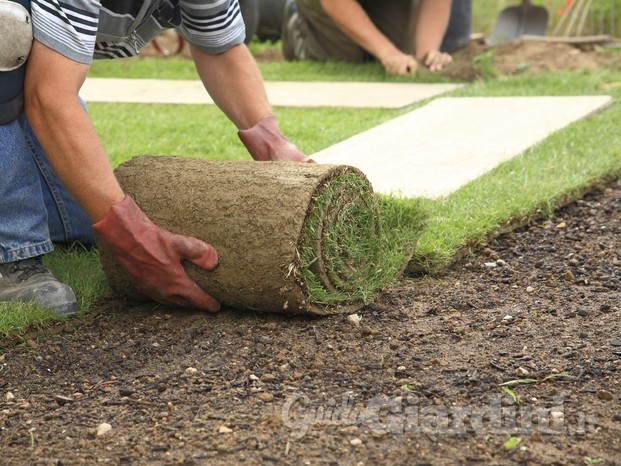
point(397, 62)
point(152, 256)
point(265, 142)
point(435, 60)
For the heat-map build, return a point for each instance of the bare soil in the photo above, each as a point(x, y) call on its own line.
point(527, 57)
point(418, 380)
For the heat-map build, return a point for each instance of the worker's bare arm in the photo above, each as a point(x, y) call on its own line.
point(65, 130)
point(432, 20)
point(152, 256)
point(234, 82)
point(235, 85)
point(354, 22)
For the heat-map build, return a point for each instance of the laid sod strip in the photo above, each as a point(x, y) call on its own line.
point(524, 189)
point(586, 153)
point(16, 318)
point(80, 269)
point(202, 131)
point(183, 68)
point(76, 267)
point(292, 238)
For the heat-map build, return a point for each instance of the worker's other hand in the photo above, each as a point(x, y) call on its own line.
point(436, 60)
point(152, 256)
point(265, 142)
point(399, 63)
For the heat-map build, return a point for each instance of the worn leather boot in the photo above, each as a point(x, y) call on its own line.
point(29, 281)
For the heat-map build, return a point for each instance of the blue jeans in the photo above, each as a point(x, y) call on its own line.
point(459, 26)
point(36, 210)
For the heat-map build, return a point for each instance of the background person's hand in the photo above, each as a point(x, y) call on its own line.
point(398, 63)
point(265, 142)
point(436, 60)
point(152, 256)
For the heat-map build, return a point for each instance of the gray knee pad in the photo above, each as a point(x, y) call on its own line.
point(15, 44)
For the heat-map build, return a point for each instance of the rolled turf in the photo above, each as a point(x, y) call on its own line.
point(291, 237)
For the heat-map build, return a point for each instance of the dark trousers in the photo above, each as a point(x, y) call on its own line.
point(264, 19)
point(460, 26)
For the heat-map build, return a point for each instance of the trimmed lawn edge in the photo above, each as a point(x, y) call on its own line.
point(434, 266)
point(415, 270)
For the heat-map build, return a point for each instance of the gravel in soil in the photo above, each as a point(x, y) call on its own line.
point(512, 356)
point(417, 378)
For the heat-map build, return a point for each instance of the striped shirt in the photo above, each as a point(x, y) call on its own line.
point(85, 29)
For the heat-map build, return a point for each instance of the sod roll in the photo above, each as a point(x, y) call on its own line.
point(291, 237)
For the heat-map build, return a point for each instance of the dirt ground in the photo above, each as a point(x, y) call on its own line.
point(417, 380)
point(528, 58)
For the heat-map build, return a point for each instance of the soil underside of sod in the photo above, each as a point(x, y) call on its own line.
point(546, 310)
point(398, 386)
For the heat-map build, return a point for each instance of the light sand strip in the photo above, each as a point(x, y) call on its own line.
point(289, 94)
point(436, 149)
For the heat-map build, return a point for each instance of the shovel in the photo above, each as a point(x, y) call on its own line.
point(515, 21)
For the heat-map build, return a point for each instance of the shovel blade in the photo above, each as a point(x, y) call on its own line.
point(514, 22)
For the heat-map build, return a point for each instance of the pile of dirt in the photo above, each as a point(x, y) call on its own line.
point(478, 60)
point(532, 57)
point(415, 378)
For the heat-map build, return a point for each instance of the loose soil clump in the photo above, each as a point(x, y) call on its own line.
point(416, 378)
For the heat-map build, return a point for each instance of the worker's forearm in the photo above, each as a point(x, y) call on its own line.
point(432, 20)
point(235, 84)
point(65, 131)
point(354, 22)
point(76, 153)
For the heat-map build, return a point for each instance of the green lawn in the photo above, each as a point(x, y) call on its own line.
point(530, 186)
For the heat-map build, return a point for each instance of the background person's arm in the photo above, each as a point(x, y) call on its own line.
point(351, 18)
point(432, 20)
